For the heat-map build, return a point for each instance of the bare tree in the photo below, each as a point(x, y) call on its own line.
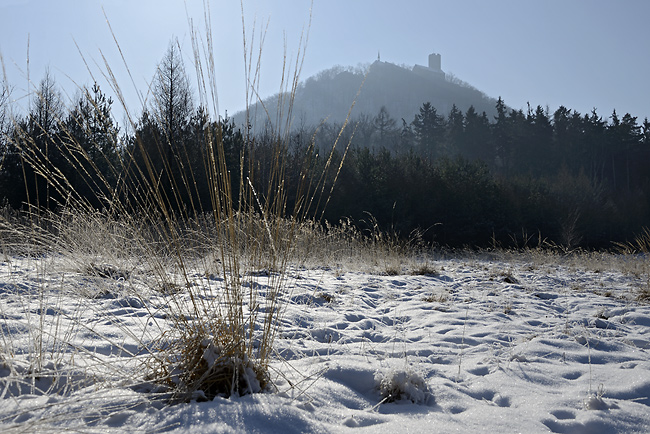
point(165, 132)
point(4, 109)
point(173, 106)
point(47, 109)
point(44, 123)
point(4, 123)
point(5, 92)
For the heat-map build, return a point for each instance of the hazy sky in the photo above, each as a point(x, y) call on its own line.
point(583, 54)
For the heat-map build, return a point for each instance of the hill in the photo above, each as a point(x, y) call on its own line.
point(401, 89)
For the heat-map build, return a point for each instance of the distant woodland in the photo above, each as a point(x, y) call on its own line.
point(563, 178)
point(459, 177)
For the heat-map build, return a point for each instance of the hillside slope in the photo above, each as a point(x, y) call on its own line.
point(330, 94)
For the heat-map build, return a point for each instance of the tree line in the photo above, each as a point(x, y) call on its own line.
point(463, 178)
point(55, 151)
point(518, 177)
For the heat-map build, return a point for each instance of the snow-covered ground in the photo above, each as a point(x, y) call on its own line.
point(484, 345)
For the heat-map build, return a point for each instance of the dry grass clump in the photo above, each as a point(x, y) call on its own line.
point(436, 298)
point(366, 247)
point(202, 363)
point(424, 269)
point(644, 293)
point(395, 385)
point(640, 244)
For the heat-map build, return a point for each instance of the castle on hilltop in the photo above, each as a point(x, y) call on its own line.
point(434, 68)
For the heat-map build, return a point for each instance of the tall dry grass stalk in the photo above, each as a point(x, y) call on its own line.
point(223, 271)
point(640, 244)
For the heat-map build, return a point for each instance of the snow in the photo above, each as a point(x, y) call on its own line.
point(485, 345)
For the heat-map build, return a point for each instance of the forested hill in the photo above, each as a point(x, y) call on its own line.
point(444, 160)
point(401, 90)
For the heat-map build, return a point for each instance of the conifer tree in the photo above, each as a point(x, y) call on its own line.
point(172, 97)
point(454, 131)
point(476, 141)
point(429, 130)
point(39, 142)
point(386, 128)
point(91, 139)
point(162, 145)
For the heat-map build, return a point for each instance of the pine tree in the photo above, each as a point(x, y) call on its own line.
point(386, 128)
point(454, 132)
point(625, 138)
point(540, 156)
point(501, 137)
point(91, 139)
point(429, 130)
point(476, 141)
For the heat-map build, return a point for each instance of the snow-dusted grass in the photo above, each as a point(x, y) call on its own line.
point(197, 340)
point(256, 319)
point(497, 341)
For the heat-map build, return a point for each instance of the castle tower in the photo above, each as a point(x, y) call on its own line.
point(435, 62)
point(434, 69)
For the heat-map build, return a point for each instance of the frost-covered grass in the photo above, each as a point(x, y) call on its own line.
point(495, 341)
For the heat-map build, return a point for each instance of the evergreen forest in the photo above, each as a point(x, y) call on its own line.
point(460, 178)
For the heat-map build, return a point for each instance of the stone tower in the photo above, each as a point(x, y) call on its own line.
point(434, 62)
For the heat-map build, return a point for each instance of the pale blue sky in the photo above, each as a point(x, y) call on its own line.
point(578, 53)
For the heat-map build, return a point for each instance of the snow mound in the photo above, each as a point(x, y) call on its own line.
point(397, 385)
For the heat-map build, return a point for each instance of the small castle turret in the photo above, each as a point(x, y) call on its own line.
point(435, 61)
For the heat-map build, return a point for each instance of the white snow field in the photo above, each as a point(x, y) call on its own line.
point(484, 345)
